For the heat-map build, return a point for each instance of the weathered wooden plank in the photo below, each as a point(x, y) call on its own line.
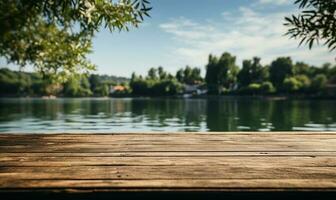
point(175, 154)
point(176, 185)
point(161, 139)
point(270, 171)
point(158, 136)
point(177, 139)
point(149, 161)
point(180, 141)
point(106, 143)
point(168, 134)
point(232, 161)
point(253, 147)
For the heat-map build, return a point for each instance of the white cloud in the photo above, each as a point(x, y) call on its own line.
point(276, 2)
point(185, 28)
point(246, 33)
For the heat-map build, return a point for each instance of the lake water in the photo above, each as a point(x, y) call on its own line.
point(163, 115)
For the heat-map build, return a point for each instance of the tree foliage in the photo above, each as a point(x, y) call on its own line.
point(319, 82)
point(267, 88)
point(316, 23)
point(221, 72)
point(157, 83)
point(252, 72)
point(55, 36)
point(291, 84)
point(77, 87)
point(15, 83)
point(280, 69)
point(189, 75)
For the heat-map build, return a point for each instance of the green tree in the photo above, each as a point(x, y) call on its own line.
point(228, 70)
point(71, 88)
point(139, 86)
point(55, 36)
point(267, 88)
point(301, 68)
point(211, 76)
point(166, 87)
point(77, 87)
point(180, 75)
point(244, 78)
point(189, 75)
point(280, 69)
point(319, 82)
point(152, 74)
point(252, 72)
point(332, 77)
point(14, 83)
point(295, 84)
point(102, 90)
point(253, 88)
point(157, 83)
point(162, 74)
point(196, 76)
point(8, 82)
point(94, 82)
point(291, 85)
point(221, 72)
point(304, 82)
point(48, 87)
point(316, 23)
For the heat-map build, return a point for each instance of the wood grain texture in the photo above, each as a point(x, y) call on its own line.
point(169, 161)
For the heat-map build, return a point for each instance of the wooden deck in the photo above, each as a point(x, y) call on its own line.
point(163, 162)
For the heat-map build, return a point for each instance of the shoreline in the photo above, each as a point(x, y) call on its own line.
point(229, 96)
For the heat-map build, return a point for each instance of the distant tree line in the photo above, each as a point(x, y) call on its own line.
point(157, 83)
point(222, 76)
point(282, 76)
point(16, 83)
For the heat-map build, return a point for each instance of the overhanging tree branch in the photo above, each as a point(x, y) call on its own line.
point(55, 36)
point(315, 24)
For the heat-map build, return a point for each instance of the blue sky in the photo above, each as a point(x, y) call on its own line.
point(184, 32)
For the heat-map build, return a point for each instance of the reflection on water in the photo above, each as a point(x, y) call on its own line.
point(140, 114)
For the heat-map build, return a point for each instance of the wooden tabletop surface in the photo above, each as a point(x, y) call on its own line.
point(300, 161)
